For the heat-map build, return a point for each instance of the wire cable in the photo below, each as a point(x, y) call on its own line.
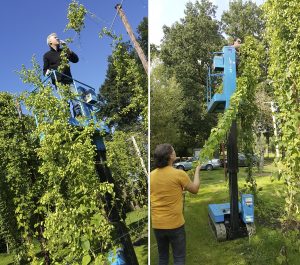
point(115, 17)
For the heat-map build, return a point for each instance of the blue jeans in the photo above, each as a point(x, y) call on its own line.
point(175, 237)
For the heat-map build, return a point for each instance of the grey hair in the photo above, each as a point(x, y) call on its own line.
point(48, 38)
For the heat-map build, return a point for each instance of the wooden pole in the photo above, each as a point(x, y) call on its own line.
point(139, 155)
point(132, 37)
point(18, 106)
point(273, 109)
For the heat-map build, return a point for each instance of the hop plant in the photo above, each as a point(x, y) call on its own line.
point(76, 16)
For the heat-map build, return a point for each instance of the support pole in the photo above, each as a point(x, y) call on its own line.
point(18, 106)
point(116, 213)
point(139, 155)
point(132, 37)
point(224, 161)
point(273, 109)
point(232, 159)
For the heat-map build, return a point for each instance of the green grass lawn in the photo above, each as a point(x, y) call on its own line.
point(137, 223)
point(5, 259)
point(260, 249)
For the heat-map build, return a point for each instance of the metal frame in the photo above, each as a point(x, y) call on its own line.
point(215, 101)
point(93, 108)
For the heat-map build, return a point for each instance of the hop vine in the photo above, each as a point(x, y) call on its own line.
point(76, 16)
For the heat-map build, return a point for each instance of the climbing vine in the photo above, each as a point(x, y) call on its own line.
point(75, 224)
point(282, 33)
point(76, 16)
point(251, 71)
point(18, 172)
point(50, 189)
point(127, 72)
point(125, 162)
point(246, 85)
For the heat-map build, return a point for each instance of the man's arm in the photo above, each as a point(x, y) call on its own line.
point(72, 56)
point(193, 187)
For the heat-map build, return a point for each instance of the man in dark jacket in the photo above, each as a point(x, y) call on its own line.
point(237, 44)
point(52, 59)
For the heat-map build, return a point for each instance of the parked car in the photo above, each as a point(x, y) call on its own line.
point(242, 161)
point(188, 164)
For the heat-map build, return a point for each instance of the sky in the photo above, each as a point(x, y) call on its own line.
point(166, 12)
point(25, 25)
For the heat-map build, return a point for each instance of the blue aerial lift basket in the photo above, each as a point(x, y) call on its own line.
point(83, 105)
point(223, 67)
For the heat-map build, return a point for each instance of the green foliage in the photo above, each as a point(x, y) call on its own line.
point(167, 103)
point(76, 15)
point(248, 110)
point(184, 45)
point(125, 164)
point(219, 132)
point(282, 33)
point(105, 32)
point(283, 38)
point(242, 103)
point(71, 199)
point(244, 18)
point(128, 73)
point(142, 31)
point(124, 94)
point(18, 171)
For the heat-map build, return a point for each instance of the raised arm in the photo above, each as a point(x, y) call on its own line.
point(193, 187)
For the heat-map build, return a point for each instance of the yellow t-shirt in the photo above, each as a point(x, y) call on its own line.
point(166, 186)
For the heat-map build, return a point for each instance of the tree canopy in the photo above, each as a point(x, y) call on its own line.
point(124, 93)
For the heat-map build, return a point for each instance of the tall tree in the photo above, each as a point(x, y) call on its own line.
point(185, 50)
point(243, 19)
point(167, 102)
point(123, 94)
point(142, 31)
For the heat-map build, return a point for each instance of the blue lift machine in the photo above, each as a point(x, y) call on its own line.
point(233, 219)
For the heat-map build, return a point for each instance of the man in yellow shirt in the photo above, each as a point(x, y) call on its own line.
point(166, 187)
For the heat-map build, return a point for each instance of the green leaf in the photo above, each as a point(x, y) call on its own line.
point(86, 245)
point(86, 259)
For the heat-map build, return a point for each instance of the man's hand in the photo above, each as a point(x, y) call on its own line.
point(48, 72)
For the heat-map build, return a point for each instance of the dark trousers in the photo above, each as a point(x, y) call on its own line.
point(175, 238)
